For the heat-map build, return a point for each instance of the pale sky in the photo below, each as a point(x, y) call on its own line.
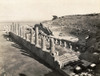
point(30, 10)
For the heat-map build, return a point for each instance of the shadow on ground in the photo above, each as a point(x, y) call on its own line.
point(22, 74)
point(53, 73)
point(16, 46)
point(28, 53)
point(24, 51)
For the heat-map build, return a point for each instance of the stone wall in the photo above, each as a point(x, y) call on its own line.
point(43, 54)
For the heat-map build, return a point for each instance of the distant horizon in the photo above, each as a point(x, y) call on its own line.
point(45, 20)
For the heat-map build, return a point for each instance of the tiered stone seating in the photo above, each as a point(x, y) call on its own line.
point(66, 58)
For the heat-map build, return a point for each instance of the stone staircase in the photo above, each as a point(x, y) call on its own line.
point(66, 58)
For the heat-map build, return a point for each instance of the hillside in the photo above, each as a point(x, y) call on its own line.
point(83, 27)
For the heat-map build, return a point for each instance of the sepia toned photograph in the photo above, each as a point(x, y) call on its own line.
point(49, 37)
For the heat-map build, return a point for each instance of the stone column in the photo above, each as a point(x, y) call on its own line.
point(15, 29)
point(18, 30)
point(26, 37)
point(23, 32)
point(70, 45)
point(57, 53)
point(6, 28)
point(48, 39)
point(56, 41)
point(60, 43)
point(52, 46)
point(36, 36)
point(43, 43)
point(65, 44)
point(31, 36)
point(10, 28)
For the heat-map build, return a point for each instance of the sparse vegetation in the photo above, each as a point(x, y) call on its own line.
point(80, 26)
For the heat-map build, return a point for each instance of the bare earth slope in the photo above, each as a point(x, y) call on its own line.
point(84, 27)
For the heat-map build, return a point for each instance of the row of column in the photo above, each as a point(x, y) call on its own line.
point(63, 43)
point(43, 42)
point(20, 31)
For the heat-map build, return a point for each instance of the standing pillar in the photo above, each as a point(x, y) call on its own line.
point(52, 46)
point(65, 44)
point(70, 46)
point(18, 30)
point(26, 37)
point(23, 32)
point(10, 28)
point(60, 43)
point(15, 28)
point(31, 36)
point(36, 36)
point(56, 41)
point(48, 39)
point(43, 43)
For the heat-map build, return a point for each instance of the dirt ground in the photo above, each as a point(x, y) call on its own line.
point(15, 61)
